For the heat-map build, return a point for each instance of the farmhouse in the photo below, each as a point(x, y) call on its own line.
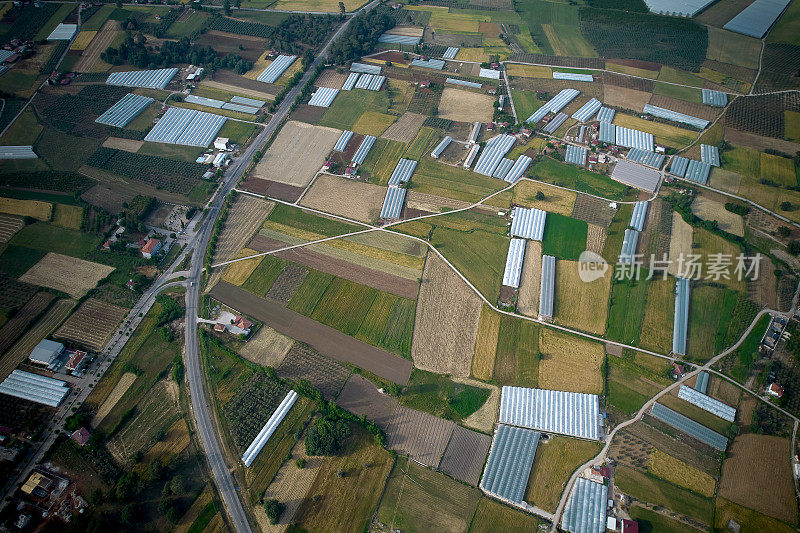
point(76, 361)
point(81, 436)
point(240, 326)
point(222, 143)
point(46, 353)
point(775, 390)
point(150, 248)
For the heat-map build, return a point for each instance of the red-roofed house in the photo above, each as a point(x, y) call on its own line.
point(775, 390)
point(81, 436)
point(76, 361)
point(629, 526)
point(677, 371)
point(240, 326)
point(151, 247)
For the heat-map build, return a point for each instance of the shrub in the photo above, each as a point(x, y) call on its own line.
point(274, 509)
point(326, 436)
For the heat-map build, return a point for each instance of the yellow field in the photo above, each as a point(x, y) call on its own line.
point(706, 244)
point(778, 169)
point(486, 344)
point(237, 273)
point(664, 133)
point(555, 200)
point(258, 67)
point(659, 311)
point(472, 54)
point(633, 71)
point(331, 6)
point(528, 71)
point(570, 363)
point(457, 22)
point(67, 216)
point(26, 208)
point(173, 443)
point(373, 123)
point(578, 304)
point(82, 40)
point(676, 471)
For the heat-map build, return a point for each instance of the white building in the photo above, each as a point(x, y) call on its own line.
point(222, 143)
point(46, 353)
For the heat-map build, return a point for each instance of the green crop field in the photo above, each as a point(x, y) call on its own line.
point(745, 354)
point(526, 103)
point(196, 22)
point(432, 177)
point(710, 311)
point(441, 396)
point(616, 233)
point(57, 18)
point(16, 260)
point(681, 93)
point(564, 237)
point(422, 144)
point(631, 384)
point(626, 311)
point(297, 218)
point(382, 159)
point(47, 237)
point(492, 516)
point(652, 522)
point(261, 279)
point(517, 357)
point(310, 292)
point(655, 491)
point(96, 21)
point(237, 132)
point(350, 105)
point(558, 173)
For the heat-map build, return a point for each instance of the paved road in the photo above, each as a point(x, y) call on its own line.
point(209, 438)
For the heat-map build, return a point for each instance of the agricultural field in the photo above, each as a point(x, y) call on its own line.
point(555, 200)
point(632, 379)
point(726, 510)
point(626, 312)
point(659, 310)
point(344, 197)
point(486, 344)
point(67, 274)
point(530, 280)
point(570, 363)
point(579, 304)
point(92, 324)
point(564, 237)
point(373, 123)
point(445, 334)
point(493, 516)
point(676, 471)
point(652, 490)
point(465, 106)
point(251, 406)
point(565, 175)
point(27, 208)
point(517, 354)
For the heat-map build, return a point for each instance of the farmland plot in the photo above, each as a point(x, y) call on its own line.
point(251, 406)
point(26, 208)
point(287, 283)
point(345, 197)
point(362, 398)
point(465, 455)
point(757, 474)
point(570, 363)
point(119, 390)
point(659, 313)
point(306, 146)
point(680, 244)
point(90, 58)
point(530, 280)
point(421, 436)
point(555, 200)
point(712, 210)
point(66, 274)
point(92, 324)
point(676, 471)
point(579, 304)
point(464, 106)
point(446, 323)
point(9, 225)
point(405, 129)
point(304, 362)
point(17, 324)
point(266, 348)
point(237, 273)
point(486, 344)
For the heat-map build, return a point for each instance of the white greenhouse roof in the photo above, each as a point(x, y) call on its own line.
point(464, 83)
point(677, 8)
point(587, 110)
point(607, 133)
point(636, 175)
point(125, 110)
point(187, 127)
point(707, 403)
point(547, 286)
point(554, 105)
point(323, 97)
point(17, 152)
point(489, 73)
point(241, 108)
point(269, 428)
point(715, 98)
point(709, 154)
point(202, 100)
point(528, 223)
point(697, 171)
point(678, 166)
point(493, 152)
point(701, 383)
point(393, 202)
point(502, 168)
point(586, 507)
point(34, 388)
point(63, 32)
point(674, 116)
point(555, 123)
point(436, 64)
point(350, 82)
point(344, 138)
point(628, 251)
point(402, 171)
point(514, 260)
point(631, 138)
point(388, 38)
point(646, 158)
point(364, 68)
point(518, 169)
point(509, 465)
point(606, 114)
point(148, 79)
point(363, 149)
point(276, 68)
point(639, 215)
point(681, 318)
point(444, 143)
point(371, 82)
point(568, 413)
point(689, 426)
point(450, 53)
point(248, 101)
point(576, 155)
point(757, 18)
point(572, 76)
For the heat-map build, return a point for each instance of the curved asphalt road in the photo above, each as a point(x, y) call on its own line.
point(200, 407)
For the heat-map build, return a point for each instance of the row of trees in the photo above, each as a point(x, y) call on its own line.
point(362, 34)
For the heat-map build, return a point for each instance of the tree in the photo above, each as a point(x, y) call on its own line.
point(274, 509)
point(326, 436)
point(226, 7)
point(127, 486)
point(342, 9)
point(793, 247)
point(786, 206)
point(177, 486)
point(539, 195)
point(128, 514)
point(156, 469)
point(784, 231)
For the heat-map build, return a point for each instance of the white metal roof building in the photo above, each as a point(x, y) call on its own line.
point(586, 507)
point(678, 166)
point(646, 158)
point(393, 203)
point(464, 83)
point(555, 123)
point(248, 101)
point(344, 138)
point(388, 38)
point(202, 100)
point(444, 143)
point(757, 18)
point(701, 383)
point(370, 82)
point(46, 353)
point(34, 388)
point(681, 319)
point(125, 110)
point(715, 98)
point(631, 138)
point(148, 79)
point(450, 53)
point(323, 97)
point(436, 64)
point(606, 114)
point(402, 171)
point(697, 171)
point(350, 82)
point(567, 413)
point(269, 428)
point(709, 154)
point(5, 54)
point(187, 127)
point(509, 465)
point(17, 152)
point(576, 155)
point(502, 168)
point(63, 32)
point(572, 76)
point(475, 132)
point(276, 68)
point(473, 153)
point(674, 116)
point(364, 68)
point(493, 152)
point(639, 215)
point(636, 175)
point(707, 403)
point(518, 169)
point(554, 105)
point(363, 149)
point(587, 110)
point(607, 133)
point(629, 241)
point(677, 8)
point(514, 260)
point(241, 108)
point(547, 287)
point(489, 74)
point(689, 426)
point(528, 223)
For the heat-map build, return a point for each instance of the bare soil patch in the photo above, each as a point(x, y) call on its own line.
point(304, 145)
point(465, 455)
point(421, 436)
point(530, 280)
point(111, 400)
point(405, 129)
point(229, 77)
point(287, 283)
point(331, 78)
point(465, 106)
point(66, 274)
point(595, 238)
point(118, 143)
point(593, 210)
point(556, 200)
point(362, 398)
point(326, 340)
point(760, 142)
point(680, 243)
point(92, 324)
point(712, 210)
point(266, 348)
point(625, 98)
point(304, 362)
point(273, 189)
point(446, 323)
point(757, 474)
point(226, 43)
point(345, 197)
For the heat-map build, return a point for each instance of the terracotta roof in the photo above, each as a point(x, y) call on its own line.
point(150, 246)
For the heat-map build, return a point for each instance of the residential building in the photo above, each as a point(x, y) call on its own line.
point(150, 248)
